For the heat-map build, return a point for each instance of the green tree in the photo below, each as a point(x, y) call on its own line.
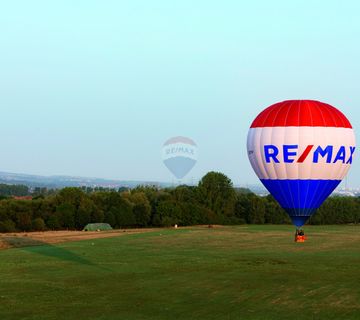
point(14, 190)
point(257, 210)
point(21, 213)
point(38, 224)
point(216, 192)
point(66, 212)
point(53, 222)
point(125, 214)
point(110, 218)
point(274, 214)
point(71, 196)
point(169, 213)
point(141, 208)
point(7, 226)
point(84, 212)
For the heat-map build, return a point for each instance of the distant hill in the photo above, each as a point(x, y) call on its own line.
point(58, 182)
point(69, 181)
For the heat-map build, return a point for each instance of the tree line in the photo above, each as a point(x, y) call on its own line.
point(213, 201)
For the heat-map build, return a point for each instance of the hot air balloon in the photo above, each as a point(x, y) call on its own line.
point(179, 155)
point(301, 150)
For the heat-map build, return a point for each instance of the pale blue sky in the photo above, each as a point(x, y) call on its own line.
point(93, 88)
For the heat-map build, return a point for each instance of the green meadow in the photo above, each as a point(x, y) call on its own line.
point(244, 272)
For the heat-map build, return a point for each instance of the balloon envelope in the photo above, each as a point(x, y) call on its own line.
point(179, 156)
point(301, 150)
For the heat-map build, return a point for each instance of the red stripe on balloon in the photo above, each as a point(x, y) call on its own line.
point(301, 113)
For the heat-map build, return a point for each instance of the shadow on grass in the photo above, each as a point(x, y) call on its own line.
point(46, 249)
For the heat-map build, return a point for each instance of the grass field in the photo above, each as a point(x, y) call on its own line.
point(245, 272)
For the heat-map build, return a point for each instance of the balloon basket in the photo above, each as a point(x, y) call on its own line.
point(300, 239)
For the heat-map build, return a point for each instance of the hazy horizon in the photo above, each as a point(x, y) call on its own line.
point(94, 89)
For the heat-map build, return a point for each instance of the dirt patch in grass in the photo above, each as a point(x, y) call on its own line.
point(22, 239)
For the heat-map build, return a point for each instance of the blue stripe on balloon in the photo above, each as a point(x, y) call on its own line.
point(300, 198)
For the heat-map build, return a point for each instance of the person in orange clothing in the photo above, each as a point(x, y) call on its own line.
point(299, 235)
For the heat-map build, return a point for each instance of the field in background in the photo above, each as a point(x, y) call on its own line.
point(245, 272)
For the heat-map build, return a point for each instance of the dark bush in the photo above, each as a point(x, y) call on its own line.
point(38, 224)
point(7, 226)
